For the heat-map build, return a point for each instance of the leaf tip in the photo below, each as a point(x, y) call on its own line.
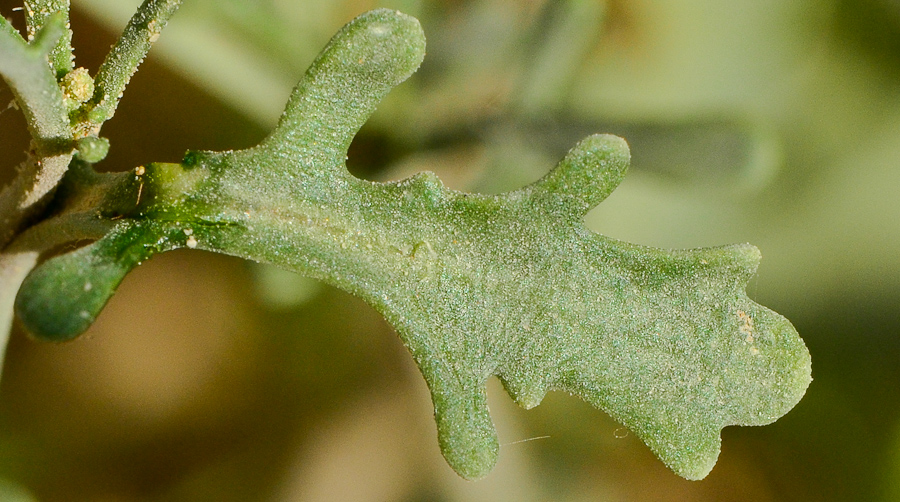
point(397, 41)
point(370, 55)
point(466, 433)
point(589, 172)
point(61, 298)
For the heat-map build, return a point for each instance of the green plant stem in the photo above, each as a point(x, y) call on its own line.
point(24, 68)
point(125, 57)
point(37, 14)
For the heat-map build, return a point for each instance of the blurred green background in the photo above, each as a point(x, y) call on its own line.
point(208, 378)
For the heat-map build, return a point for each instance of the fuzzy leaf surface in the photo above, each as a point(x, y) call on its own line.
point(512, 285)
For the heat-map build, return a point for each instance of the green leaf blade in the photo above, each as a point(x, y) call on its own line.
point(512, 285)
point(62, 297)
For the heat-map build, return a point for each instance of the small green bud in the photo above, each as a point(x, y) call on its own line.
point(92, 149)
point(77, 87)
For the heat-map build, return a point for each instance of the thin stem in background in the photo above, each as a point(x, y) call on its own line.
point(562, 39)
point(14, 267)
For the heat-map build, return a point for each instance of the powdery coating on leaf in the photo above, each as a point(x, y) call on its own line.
point(511, 285)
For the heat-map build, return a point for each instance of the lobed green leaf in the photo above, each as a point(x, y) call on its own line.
point(511, 285)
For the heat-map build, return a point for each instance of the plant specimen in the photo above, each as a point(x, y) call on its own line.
point(510, 285)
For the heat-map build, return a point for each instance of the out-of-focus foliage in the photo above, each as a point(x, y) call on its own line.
point(11, 492)
point(804, 97)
